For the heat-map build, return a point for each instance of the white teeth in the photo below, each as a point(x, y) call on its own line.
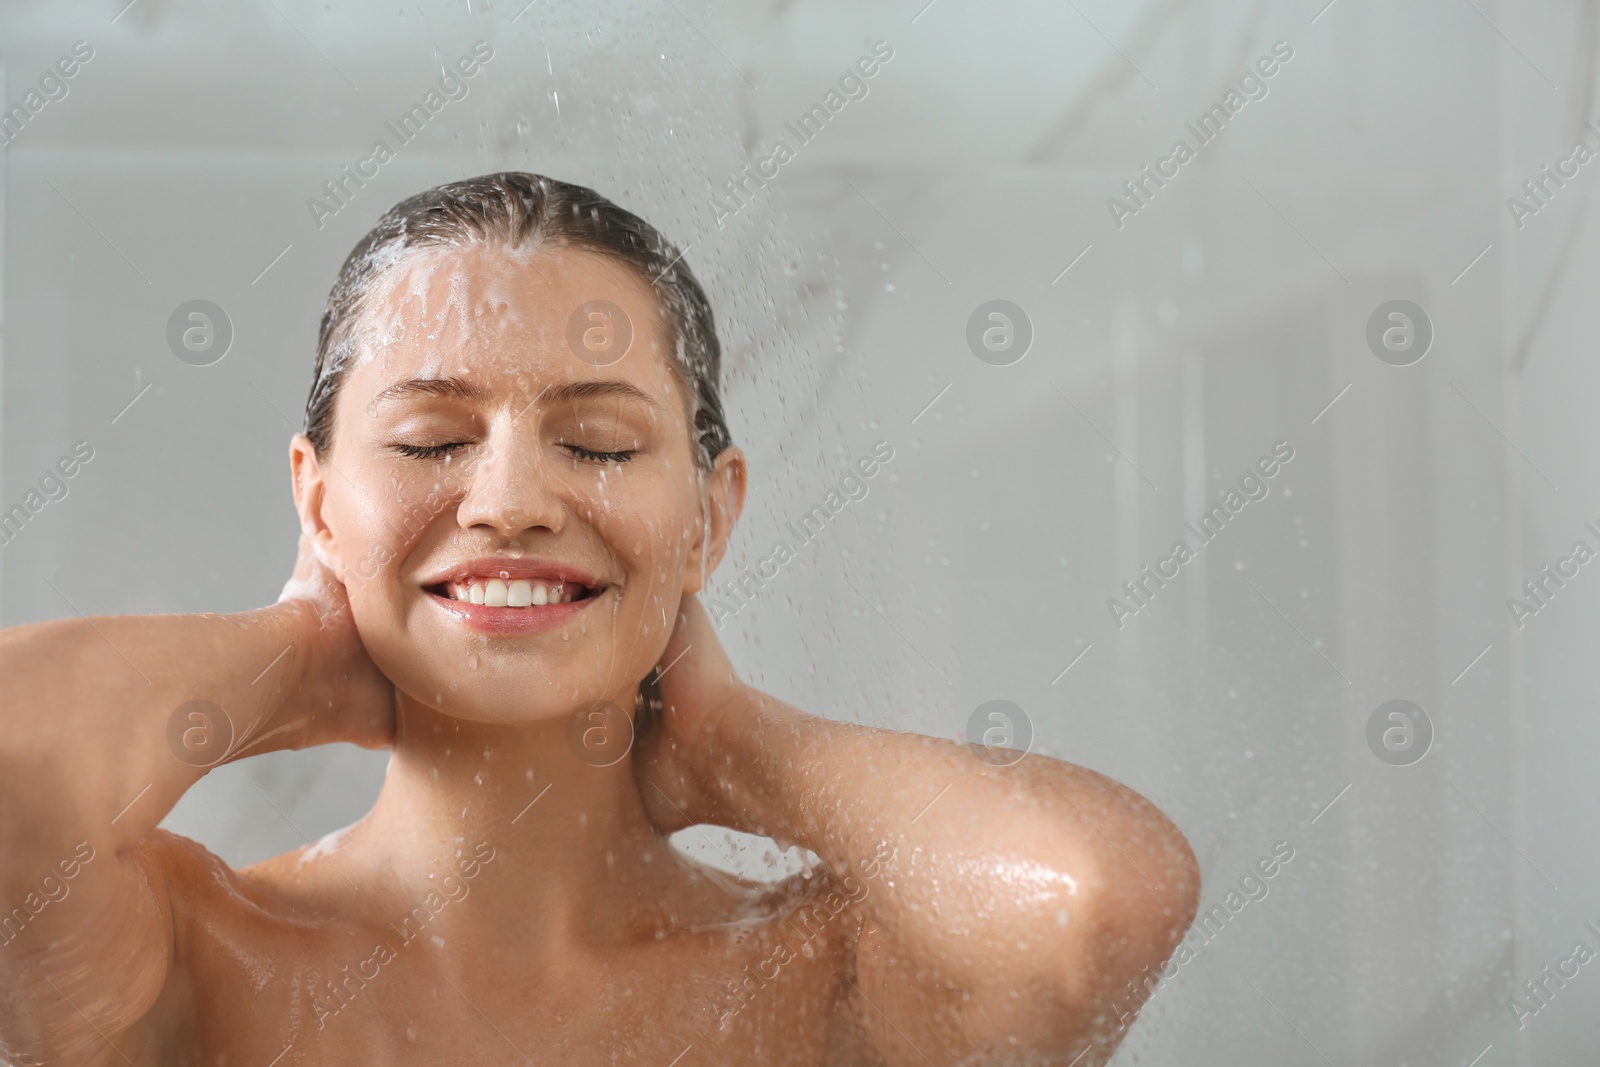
point(516, 593)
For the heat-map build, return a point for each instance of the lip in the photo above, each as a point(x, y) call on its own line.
point(514, 621)
point(509, 567)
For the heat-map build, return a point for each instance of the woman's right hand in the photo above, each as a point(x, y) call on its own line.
point(348, 699)
point(96, 726)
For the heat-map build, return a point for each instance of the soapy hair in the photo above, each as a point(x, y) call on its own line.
point(522, 211)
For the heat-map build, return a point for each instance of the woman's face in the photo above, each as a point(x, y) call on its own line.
point(487, 453)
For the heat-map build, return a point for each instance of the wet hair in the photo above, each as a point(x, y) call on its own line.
point(517, 210)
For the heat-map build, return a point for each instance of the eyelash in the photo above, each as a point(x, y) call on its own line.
point(603, 457)
point(578, 451)
point(428, 451)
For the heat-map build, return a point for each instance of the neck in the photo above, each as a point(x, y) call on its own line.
point(564, 838)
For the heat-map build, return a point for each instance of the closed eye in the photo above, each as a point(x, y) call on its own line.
point(578, 451)
point(429, 451)
point(599, 457)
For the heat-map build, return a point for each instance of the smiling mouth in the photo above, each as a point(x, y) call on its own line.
point(514, 592)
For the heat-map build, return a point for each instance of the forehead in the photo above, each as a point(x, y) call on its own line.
point(495, 315)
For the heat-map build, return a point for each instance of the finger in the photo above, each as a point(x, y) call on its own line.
point(676, 640)
point(693, 647)
point(703, 635)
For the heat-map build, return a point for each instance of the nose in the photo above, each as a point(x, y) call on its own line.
point(509, 486)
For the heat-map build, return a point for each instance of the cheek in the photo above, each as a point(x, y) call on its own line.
point(657, 585)
point(370, 581)
point(374, 531)
point(647, 536)
point(652, 549)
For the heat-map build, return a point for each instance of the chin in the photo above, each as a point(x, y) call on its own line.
point(508, 681)
point(499, 705)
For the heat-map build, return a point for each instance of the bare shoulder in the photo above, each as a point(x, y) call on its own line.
point(791, 968)
point(213, 907)
point(191, 873)
point(201, 884)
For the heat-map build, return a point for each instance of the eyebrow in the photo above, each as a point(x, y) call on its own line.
point(462, 389)
point(585, 390)
point(458, 388)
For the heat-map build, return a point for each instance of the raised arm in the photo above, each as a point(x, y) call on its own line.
point(106, 722)
point(1006, 908)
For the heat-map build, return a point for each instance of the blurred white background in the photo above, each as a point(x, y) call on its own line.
point(1168, 355)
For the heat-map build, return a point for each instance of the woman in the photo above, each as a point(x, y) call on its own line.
point(514, 480)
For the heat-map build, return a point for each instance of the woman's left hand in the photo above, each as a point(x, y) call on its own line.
point(699, 691)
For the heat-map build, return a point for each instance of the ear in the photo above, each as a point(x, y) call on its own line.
point(725, 485)
point(311, 497)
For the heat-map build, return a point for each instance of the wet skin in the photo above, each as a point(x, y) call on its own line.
point(507, 901)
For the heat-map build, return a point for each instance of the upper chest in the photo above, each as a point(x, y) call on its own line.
point(766, 991)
